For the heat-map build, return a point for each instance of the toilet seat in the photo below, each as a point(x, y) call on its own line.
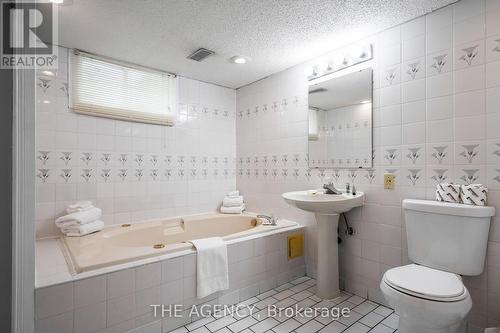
point(426, 283)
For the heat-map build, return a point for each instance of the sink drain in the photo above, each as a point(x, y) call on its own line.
point(125, 225)
point(158, 246)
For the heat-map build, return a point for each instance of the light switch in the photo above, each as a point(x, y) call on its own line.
point(389, 181)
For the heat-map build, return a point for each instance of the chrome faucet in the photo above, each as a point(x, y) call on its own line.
point(271, 220)
point(330, 189)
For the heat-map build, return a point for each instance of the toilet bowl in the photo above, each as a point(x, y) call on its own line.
point(427, 300)
point(445, 241)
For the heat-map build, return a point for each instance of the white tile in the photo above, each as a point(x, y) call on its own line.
point(120, 283)
point(172, 292)
point(59, 323)
point(200, 322)
point(439, 108)
point(265, 325)
point(311, 326)
point(53, 300)
point(380, 328)
point(371, 319)
point(220, 323)
point(470, 128)
point(392, 321)
point(470, 103)
point(468, 79)
point(439, 130)
point(333, 327)
point(90, 318)
point(242, 324)
point(90, 291)
point(357, 328)
point(287, 326)
point(147, 276)
point(492, 74)
point(120, 309)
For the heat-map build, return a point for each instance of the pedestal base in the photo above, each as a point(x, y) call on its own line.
point(328, 259)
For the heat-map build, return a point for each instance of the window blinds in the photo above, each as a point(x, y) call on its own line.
point(104, 88)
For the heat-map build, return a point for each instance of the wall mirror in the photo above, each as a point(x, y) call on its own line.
point(340, 121)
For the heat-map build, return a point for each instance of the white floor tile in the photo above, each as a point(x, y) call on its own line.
point(310, 327)
point(264, 325)
point(380, 328)
point(333, 327)
point(365, 307)
point(392, 321)
point(287, 326)
point(371, 319)
point(242, 324)
point(202, 329)
point(201, 322)
point(220, 323)
point(357, 328)
point(382, 310)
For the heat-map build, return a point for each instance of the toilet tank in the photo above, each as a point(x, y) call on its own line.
point(447, 236)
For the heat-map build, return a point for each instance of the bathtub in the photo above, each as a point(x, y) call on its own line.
point(130, 242)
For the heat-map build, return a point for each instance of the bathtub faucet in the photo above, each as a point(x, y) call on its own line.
point(271, 220)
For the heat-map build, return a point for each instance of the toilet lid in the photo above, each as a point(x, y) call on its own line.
point(425, 282)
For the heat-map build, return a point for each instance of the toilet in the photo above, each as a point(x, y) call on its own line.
point(445, 241)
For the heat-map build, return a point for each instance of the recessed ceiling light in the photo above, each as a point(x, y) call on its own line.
point(48, 73)
point(57, 1)
point(365, 102)
point(239, 60)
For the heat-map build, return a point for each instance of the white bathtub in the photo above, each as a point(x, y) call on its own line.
point(125, 243)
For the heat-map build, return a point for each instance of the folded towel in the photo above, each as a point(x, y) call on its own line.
point(212, 273)
point(474, 194)
point(232, 202)
point(79, 206)
point(83, 217)
point(84, 229)
point(232, 210)
point(448, 192)
point(232, 194)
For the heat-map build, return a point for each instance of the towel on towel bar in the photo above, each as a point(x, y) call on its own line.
point(232, 201)
point(212, 273)
point(83, 217)
point(83, 229)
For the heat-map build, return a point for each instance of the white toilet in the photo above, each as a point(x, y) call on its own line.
point(445, 240)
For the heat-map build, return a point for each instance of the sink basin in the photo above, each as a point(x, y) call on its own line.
point(326, 208)
point(319, 202)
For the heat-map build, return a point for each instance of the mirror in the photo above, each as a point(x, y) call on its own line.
point(340, 121)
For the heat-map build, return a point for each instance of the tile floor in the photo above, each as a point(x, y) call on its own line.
point(365, 316)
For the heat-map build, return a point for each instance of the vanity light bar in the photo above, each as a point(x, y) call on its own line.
point(355, 56)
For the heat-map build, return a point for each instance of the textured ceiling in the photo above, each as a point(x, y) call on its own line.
point(275, 34)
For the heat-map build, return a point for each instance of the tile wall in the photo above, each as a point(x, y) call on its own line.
point(436, 118)
point(120, 301)
point(133, 171)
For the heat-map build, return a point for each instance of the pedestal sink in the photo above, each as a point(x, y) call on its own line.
point(326, 208)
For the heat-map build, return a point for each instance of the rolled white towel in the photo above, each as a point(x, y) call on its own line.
point(79, 207)
point(78, 218)
point(474, 194)
point(84, 229)
point(232, 202)
point(233, 194)
point(232, 210)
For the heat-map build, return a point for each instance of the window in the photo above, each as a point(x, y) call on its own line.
point(105, 88)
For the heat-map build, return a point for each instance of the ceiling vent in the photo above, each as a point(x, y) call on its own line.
point(200, 54)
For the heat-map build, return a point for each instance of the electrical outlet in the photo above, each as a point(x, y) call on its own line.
point(389, 181)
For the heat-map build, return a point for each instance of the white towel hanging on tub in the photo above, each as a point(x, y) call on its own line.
point(212, 273)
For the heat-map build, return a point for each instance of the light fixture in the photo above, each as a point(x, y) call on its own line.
point(365, 101)
point(48, 73)
point(340, 60)
point(239, 60)
point(58, 2)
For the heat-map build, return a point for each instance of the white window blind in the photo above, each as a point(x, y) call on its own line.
point(104, 88)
